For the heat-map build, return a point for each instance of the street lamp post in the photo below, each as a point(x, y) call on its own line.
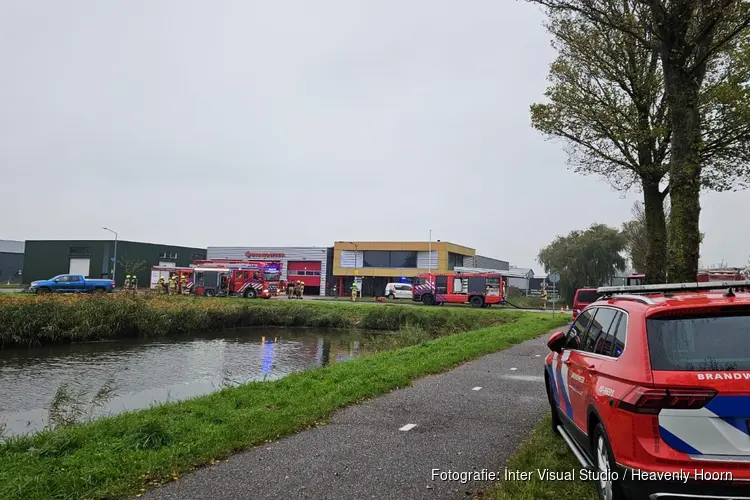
point(356, 253)
point(114, 259)
point(429, 254)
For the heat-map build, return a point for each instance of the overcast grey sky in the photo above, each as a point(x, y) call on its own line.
point(194, 123)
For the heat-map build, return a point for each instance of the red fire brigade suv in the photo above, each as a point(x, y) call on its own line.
point(650, 389)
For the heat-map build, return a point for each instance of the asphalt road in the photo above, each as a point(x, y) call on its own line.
point(363, 454)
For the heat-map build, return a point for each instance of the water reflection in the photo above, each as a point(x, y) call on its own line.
point(148, 372)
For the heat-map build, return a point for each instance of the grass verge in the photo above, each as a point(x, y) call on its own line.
point(544, 451)
point(126, 454)
point(30, 320)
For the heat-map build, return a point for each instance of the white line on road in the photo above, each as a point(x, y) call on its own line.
point(476, 388)
point(408, 427)
point(527, 378)
point(538, 355)
point(513, 369)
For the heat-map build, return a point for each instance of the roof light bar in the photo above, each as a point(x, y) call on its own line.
point(673, 287)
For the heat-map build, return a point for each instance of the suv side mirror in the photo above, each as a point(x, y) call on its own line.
point(556, 342)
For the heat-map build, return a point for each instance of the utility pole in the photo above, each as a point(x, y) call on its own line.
point(429, 254)
point(356, 274)
point(114, 259)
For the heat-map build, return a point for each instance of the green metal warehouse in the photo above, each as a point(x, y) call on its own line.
point(44, 259)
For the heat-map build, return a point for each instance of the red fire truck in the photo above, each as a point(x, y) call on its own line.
point(478, 289)
point(724, 274)
point(237, 278)
point(704, 276)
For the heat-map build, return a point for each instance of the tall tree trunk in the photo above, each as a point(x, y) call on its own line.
point(656, 229)
point(684, 174)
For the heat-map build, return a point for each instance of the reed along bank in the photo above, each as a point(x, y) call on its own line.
point(29, 320)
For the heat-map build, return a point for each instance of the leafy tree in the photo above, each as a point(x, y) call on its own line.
point(131, 266)
point(586, 258)
point(637, 237)
point(654, 92)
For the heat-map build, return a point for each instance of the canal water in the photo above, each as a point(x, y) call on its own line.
point(148, 372)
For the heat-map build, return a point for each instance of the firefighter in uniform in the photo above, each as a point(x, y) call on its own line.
point(354, 291)
point(128, 282)
point(183, 284)
point(296, 289)
point(160, 285)
point(172, 285)
point(543, 295)
point(289, 289)
point(301, 289)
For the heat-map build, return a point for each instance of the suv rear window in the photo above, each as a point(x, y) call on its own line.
point(699, 343)
point(587, 296)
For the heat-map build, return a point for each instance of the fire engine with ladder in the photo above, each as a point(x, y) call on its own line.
point(237, 278)
point(477, 289)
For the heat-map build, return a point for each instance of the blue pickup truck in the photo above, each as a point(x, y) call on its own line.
point(71, 283)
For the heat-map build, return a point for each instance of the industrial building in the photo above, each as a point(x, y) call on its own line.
point(11, 261)
point(44, 259)
point(372, 265)
point(311, 265)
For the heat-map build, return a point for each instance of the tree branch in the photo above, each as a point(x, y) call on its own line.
point(718, 46)
point(590, 12)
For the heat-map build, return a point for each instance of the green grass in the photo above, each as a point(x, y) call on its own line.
point(543, 451)
point(30, 320)
point(125, 454)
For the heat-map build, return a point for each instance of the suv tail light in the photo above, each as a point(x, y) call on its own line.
point(652, 401)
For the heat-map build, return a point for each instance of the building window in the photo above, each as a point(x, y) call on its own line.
point(80, 251)
point(303, 273)
point(455, 260)
point(392, 259)
point(168, 255)
point(376, 258)
point(404, 259)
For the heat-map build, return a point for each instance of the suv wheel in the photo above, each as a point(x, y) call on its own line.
point(556, 421)
point(607, 484)
point(391, 296)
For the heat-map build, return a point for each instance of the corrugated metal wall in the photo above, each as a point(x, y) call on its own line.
point(47, 258)
point(483, 262)
point(313, 254)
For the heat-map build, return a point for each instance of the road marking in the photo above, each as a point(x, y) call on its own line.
point(408, 427)
point(538, 355)
point(527, 378)
point(513, 369)
point(476, 388)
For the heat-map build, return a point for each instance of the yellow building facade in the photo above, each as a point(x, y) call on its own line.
point(375, 264)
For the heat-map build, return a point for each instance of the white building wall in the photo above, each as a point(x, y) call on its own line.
point(311, 254)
